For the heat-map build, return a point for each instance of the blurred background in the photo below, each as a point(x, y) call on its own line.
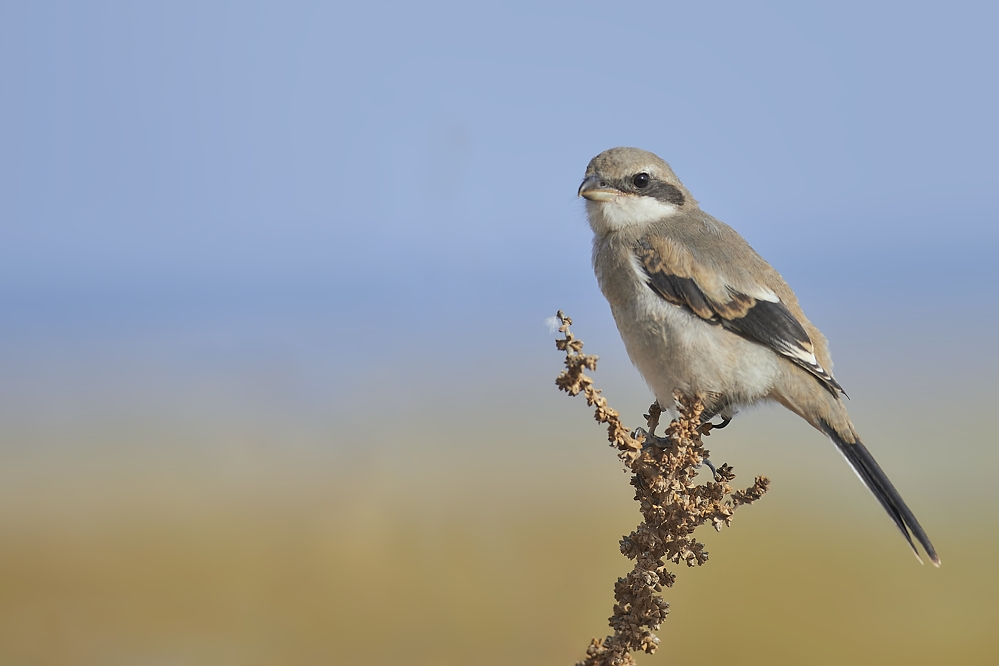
point(275, 382)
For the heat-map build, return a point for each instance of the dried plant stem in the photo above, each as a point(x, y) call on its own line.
point(672, 505)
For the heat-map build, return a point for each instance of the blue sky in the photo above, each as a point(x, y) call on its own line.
point(182, 167)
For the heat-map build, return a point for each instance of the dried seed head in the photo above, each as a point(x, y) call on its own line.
point(671, 503)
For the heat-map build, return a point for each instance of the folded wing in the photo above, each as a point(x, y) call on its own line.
point(674, 274)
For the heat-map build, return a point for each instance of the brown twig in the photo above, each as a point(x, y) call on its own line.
point(672, 505)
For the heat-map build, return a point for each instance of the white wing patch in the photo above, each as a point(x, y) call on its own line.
point(793, 351)
point(761, 293)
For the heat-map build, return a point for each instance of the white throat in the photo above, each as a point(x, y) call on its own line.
point(626, 210)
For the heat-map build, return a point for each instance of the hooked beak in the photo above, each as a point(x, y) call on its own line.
point(594, 189)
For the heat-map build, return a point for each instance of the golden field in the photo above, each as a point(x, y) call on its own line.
point(449, 529)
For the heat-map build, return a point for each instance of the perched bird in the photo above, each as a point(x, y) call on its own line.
point(701, 313)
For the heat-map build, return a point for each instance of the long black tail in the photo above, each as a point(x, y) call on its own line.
point(877, 482)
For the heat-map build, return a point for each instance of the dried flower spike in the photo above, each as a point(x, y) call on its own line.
point(672, 505)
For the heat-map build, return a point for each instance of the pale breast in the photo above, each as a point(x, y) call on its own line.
point(672, 347)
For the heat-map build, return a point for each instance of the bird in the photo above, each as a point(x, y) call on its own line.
point(702, 315)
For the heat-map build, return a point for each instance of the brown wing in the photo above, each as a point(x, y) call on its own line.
point(673, 274)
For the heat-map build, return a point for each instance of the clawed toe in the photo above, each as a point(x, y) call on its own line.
point(707, 427)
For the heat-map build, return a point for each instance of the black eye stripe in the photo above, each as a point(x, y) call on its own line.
point(667, 194)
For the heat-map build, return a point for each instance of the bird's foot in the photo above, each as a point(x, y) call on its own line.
point(707, 427)
point(714, 472)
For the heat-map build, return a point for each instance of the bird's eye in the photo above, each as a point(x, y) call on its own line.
point(641, 180)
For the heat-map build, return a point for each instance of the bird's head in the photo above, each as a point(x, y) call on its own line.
point(631, 187)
